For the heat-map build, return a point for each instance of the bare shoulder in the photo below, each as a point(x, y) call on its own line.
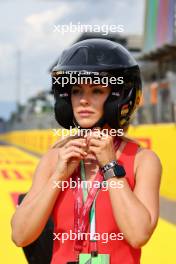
point(148, 168)
point(46, 166)
point(50, 158)
point(145, 158)
point(42, 173)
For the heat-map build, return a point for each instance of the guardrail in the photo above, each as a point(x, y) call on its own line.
point(161, 138)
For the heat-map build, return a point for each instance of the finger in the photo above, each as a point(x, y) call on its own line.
point(81, 140)
point(77, 142)
point(94, 150)
point(74, 154)
point(75, 149)
point(96, 133)
point(104, 137)
point(95, 142)
point(93, 134)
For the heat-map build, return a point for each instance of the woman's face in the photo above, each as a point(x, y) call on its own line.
point(87, 102)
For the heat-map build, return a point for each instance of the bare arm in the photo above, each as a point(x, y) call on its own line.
point(32, 215)
point(137, 212)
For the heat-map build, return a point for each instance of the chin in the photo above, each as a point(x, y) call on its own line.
point(86, 123)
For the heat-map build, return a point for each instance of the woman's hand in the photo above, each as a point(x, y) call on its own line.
point(69, 157)
point(102, 147)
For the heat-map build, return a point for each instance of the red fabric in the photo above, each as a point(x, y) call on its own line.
point(63, 216)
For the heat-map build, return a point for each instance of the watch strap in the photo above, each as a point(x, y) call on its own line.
point(113, 169)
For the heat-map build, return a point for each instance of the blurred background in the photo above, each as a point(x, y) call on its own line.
point(33, 35)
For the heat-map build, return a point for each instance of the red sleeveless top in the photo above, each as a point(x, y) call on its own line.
point(121, 252)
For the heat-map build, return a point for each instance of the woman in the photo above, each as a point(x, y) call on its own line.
point(120, 218)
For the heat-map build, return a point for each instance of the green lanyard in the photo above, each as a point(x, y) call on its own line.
point(92, 210)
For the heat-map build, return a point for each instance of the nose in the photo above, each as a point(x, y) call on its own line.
point(85, 99)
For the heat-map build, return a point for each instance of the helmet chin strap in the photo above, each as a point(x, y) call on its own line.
point(100, 123)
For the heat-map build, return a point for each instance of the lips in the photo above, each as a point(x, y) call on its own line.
point(85, 111)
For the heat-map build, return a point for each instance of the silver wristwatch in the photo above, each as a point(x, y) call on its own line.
point(113, 169)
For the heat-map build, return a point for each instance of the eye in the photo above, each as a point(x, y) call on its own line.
point(97, 91)
point(75, 90)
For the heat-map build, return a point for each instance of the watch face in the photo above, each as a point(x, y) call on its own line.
point(116, 171)
point(109, 174)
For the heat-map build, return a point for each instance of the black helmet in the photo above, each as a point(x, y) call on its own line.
point(100, 57)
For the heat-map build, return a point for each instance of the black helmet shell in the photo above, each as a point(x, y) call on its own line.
point(95, 55)
point(105, 57)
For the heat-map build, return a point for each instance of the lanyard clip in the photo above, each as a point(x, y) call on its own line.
point(94, 253)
